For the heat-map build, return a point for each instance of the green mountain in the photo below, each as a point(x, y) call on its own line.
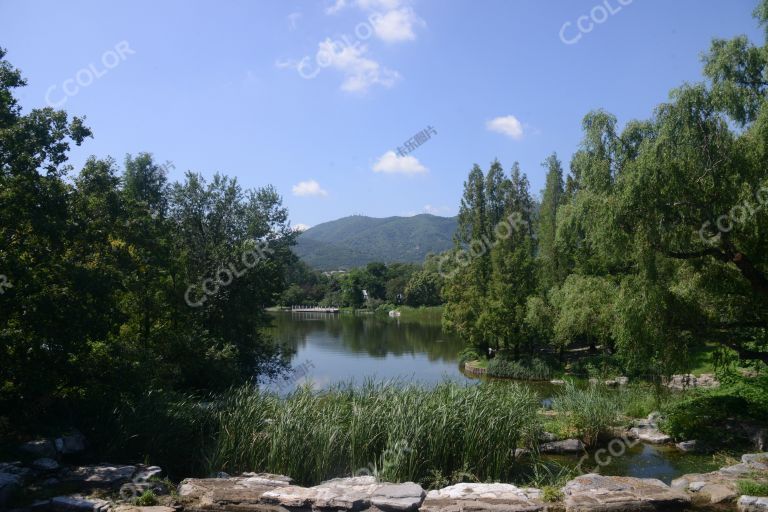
point(357, 240)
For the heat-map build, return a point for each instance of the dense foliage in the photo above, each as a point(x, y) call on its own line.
point(122, 282)
point(654, 244)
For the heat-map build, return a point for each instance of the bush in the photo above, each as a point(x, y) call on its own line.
point(590, 412)
point(705, 413)
point(535, 369)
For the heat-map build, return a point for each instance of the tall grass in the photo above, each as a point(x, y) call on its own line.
point(398, 432)
point(589, 412)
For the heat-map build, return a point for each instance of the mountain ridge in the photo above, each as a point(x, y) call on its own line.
point(356, 240)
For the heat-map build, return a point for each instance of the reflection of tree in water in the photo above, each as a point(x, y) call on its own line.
point(369, 334)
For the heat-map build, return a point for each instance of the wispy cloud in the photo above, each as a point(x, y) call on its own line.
point(301, 227)
point(359, 71)
point(390, 163)
point(506, 125)
point(435, 210)
point(309, 188)
point(293, 19)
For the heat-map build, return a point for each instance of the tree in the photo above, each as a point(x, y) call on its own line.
point(552, 270)
point(423, 289)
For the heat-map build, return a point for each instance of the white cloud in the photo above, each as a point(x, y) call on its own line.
point(293, 18)
point(396, 25)
point(385, 5)
point(336, 7)
point(301, 227)
point(506, 125)
point(435, 210)
point(309, 188)
point(390, 163)
point(359, 72)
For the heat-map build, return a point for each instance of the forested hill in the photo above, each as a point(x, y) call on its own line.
point(357, 240)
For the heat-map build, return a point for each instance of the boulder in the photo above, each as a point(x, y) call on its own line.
point(752, 504)
point(45, 464)
point(722, 485)
point(594, 492)
point(78, 504)
point(687, 381)
point(101, 475)
point(224, 494)
point(648, 431)
point(39, 448)
point(686, 446)
point(135, 508)
point(481, 497)
point(9, 484)
point(70, 444)
point(564, 446)
point(356, 493)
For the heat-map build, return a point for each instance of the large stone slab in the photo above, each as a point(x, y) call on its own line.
point(467, 497)
point(753, 504)
point(564, 446)
point(594, 492)
point(722, 485)
point(355, 493)
point(229, 494)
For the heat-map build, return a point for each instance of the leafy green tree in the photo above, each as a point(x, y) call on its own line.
point(423, 289)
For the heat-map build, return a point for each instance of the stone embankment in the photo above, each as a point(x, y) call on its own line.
point(46, 483)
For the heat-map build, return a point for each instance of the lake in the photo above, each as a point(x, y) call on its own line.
point(331, 348)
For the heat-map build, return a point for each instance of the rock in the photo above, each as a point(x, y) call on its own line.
point(134, 508)
point(718, 493)
point(723, 484)
point(101, 475)
point(9, 484)
point(45, 464)
point(564, 446)
point(214, 494)
point(752, 504)
point(354, 493)
point(748, 458)
point(686, 446)
point(71, 444)
point(687, 381)
point(558, 382)
point(51, 482)
point(612, 493)
point(482, 497)
point(622, 381)
point(39, 448)
point(648, 430)
point(78, 504)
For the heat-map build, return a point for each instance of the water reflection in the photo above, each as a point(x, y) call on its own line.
point(346, 347)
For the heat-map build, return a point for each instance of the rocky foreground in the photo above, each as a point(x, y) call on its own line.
point(107, 487)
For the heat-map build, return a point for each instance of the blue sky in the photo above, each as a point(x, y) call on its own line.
point(235, 87)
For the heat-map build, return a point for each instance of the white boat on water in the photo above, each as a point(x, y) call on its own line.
point(394, 313)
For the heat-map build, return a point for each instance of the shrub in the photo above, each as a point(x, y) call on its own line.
point(752, 488)
point(535, 369)
point(704, 413)
point(147, 499)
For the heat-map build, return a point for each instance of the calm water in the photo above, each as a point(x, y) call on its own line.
point(345, 347)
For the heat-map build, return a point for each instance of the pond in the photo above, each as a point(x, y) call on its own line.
point(333, 348)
